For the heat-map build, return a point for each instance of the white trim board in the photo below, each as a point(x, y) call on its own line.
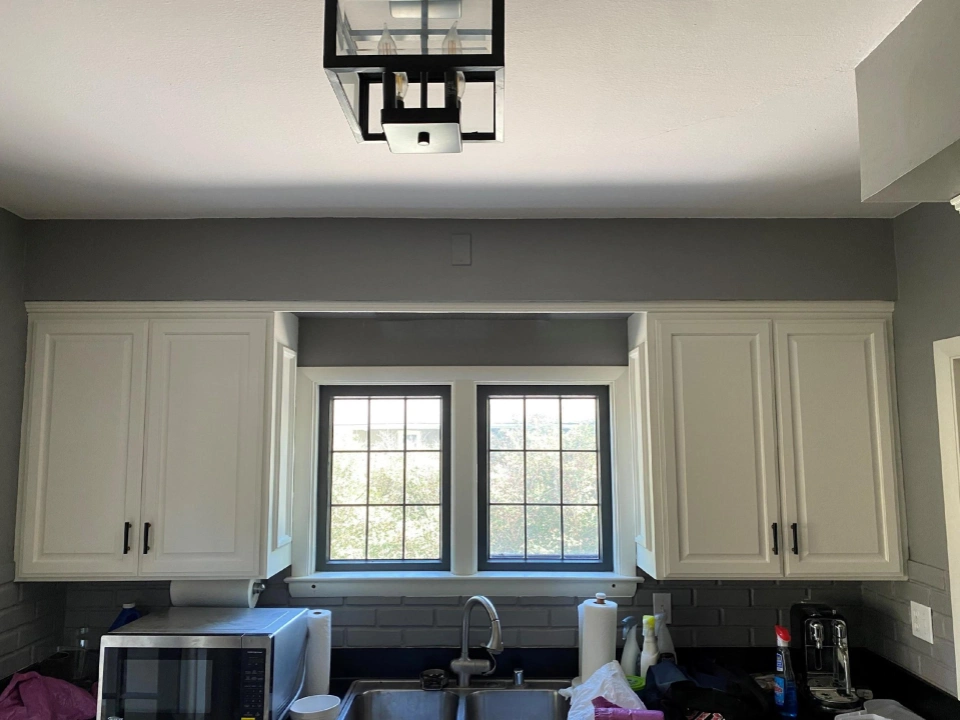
point(347, 306)
point(946, 360)
point(463, 578)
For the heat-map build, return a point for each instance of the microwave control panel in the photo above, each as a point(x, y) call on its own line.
point(253, 673)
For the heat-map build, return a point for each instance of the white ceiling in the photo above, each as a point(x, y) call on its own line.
point(614, 108)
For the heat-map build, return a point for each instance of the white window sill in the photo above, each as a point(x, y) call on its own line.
point(446, 584)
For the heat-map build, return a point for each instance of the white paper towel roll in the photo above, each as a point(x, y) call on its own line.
point(214, 593)
point(318, 653)
point(598, 634)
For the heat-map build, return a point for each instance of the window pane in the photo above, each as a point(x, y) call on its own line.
point(423, 477)
point(386, 478)
point(506, 423)
point(506, 477)
point(386, 423)
point(423, 533)
point(348, 533)
point(543, 423)
point(506, 531)
point(424, 418)
point(581, 533)
point(580, 477)
point(349, 479)
point(543, 531)
point(386, 533)
point(543, 477)
point(350, 424)
point(579, 423)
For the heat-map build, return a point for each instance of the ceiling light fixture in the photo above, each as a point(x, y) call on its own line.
point(425, 76)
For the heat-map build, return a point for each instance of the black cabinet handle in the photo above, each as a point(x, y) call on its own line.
point(126, 537)
point(796, 539)
point(146, 538)
point(776, 539)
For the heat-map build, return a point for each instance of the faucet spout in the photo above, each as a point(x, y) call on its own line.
point(464, 666)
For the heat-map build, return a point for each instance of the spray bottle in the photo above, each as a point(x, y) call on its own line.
point(785, 692)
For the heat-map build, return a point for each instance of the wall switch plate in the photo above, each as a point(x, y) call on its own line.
point(461, 250)
point(922, 621)
point(663, 604)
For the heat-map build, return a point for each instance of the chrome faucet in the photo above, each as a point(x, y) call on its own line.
point(464, 666)
point(843, 655)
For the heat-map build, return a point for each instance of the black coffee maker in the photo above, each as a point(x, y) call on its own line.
point(821, 655)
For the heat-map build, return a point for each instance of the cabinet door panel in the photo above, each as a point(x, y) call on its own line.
point(837, 448)
point(281, 493)
point(719, 458)
point(83, 450)
point(203, 460)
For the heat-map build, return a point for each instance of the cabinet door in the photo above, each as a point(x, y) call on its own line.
point(836, 449)
point(83, 448)
point(203, 469)
point(718, 452)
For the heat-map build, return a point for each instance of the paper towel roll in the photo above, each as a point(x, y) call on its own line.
point(215, 593)
point(318, 653)
point(598, 634)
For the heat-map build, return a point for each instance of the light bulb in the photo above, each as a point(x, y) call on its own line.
point(387, 45)
point(451, 43)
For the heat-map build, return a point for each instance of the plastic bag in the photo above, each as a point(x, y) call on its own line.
point(30, 696)
point(607, 682)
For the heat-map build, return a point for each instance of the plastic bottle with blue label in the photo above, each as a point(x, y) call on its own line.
point(785, 690)
point(128, 614)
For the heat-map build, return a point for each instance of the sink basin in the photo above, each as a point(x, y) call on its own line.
point(484, 700)
point(407, 705)
point(518, 704)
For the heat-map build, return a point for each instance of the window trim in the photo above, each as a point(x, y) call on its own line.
point(605, 457)
point(324, 564)
point(464, 577)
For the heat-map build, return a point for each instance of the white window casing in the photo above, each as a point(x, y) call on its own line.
point(463, 577)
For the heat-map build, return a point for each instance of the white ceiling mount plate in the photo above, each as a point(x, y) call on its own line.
point(741, 108)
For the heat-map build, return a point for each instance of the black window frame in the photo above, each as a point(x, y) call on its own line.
point(325, 396)
point(605, 480)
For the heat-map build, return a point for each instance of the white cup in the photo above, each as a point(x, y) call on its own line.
point(316, 707)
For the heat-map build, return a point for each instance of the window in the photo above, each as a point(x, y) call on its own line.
point(544, 472)
point(384, 478)
point(380, 526)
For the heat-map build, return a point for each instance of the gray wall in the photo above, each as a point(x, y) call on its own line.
point(706, 614)
point(438, 341)
point(31, 616)
point(928, 309)
point(409, 260)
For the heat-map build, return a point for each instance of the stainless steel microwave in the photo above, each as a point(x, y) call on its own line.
point(204, 664)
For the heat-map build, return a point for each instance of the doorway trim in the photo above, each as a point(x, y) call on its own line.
point(946, 361)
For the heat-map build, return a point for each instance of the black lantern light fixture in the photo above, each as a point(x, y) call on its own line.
point(424, 76)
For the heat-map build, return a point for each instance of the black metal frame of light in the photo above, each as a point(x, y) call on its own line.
point(325, 398)
point(605, 504)
point(486, 68)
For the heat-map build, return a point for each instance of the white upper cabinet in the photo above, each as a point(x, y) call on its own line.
point(173, 432)
point(716, 416)
point(82, 444)
point(203, 460)
point(751, 427)
point(837, 449)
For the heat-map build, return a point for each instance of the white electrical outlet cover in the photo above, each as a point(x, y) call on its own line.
point(922, 621)
point(663, 604)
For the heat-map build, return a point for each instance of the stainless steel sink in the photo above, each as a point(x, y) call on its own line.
point(484, 700)
point(519, 704)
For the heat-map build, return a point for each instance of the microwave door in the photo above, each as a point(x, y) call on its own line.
point(170, 683)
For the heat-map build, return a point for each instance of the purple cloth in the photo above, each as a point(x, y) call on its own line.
point(31, 696)
point(603, 709)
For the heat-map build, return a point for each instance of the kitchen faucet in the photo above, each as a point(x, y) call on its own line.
point(464, 666)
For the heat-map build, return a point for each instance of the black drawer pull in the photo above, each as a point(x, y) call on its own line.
point(126, 537)
point(796, 539)
point(146, 538)
point(776, 539)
